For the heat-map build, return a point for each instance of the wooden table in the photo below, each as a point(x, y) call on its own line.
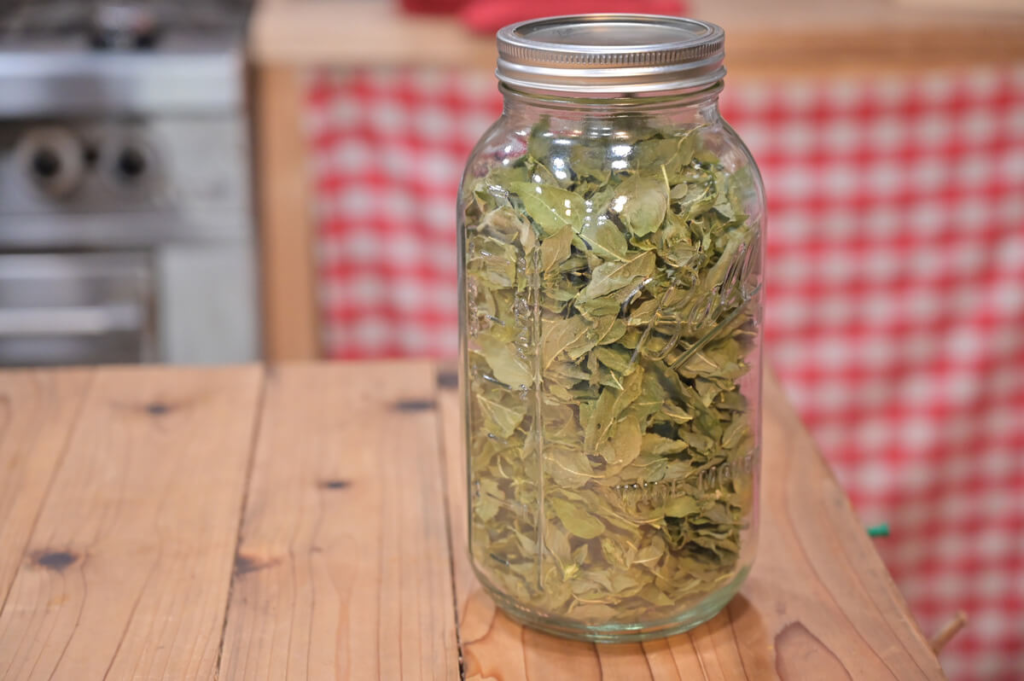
point(306, 522)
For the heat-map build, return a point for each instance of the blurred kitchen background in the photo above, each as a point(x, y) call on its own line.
point(199, 181)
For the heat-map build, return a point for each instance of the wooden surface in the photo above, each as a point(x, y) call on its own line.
point(286, 223)
point(783, 36)
point(37, 411)
point(343, 563)
point(307, 522)
point(127, 570)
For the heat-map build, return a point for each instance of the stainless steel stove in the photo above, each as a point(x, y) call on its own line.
point(126, 224)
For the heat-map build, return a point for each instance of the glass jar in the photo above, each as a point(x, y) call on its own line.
point(611, 276)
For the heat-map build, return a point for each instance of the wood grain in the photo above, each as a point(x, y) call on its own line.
point(128, 567)
point(343, 569)
point(37, 412)
point(819, 603)
point(286, 226)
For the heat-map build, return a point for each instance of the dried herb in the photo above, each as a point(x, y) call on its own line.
point(610, 307)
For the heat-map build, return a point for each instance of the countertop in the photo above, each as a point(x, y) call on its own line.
point(762, 38)
point(306, 521)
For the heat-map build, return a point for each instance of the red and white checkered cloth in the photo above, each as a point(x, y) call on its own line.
point(895, 293)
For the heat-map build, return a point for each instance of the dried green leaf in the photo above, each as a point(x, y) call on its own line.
point(603, 238)
point(576, 519)
point(552, 208)
point(680, 507)
point(613, 276)
point(616, 359)
point(623, 446)
point(501, 416)
point(657, 445)
point(564, 336)
point(610, 405)
point(642, 204)
point(556, 249)
point(506, 362)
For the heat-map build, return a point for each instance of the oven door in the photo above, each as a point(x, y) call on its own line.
point(82, 308)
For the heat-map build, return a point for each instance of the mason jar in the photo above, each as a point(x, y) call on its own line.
point(611, 245)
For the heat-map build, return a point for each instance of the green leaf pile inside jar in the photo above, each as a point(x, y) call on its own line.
point(609, 322)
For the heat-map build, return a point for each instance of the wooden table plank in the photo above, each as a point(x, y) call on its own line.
point(826, 587)
point(128, 568)
point(819, 603)
point(37, 413)
point(343, 569)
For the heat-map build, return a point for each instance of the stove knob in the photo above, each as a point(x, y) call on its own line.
point(52, 158)
point(131, 163)
point(46, 163)
point(128, 164)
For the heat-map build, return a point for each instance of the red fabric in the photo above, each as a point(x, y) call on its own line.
point(487, 16)
point(895, 312)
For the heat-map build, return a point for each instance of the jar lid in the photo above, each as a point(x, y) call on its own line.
point(611, 54)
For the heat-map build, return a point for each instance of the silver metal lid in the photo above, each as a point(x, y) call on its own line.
point(611, 54)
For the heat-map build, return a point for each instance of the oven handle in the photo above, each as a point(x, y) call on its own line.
point(91, 320)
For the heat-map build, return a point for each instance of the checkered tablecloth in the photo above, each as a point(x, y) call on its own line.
point(895, 293)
